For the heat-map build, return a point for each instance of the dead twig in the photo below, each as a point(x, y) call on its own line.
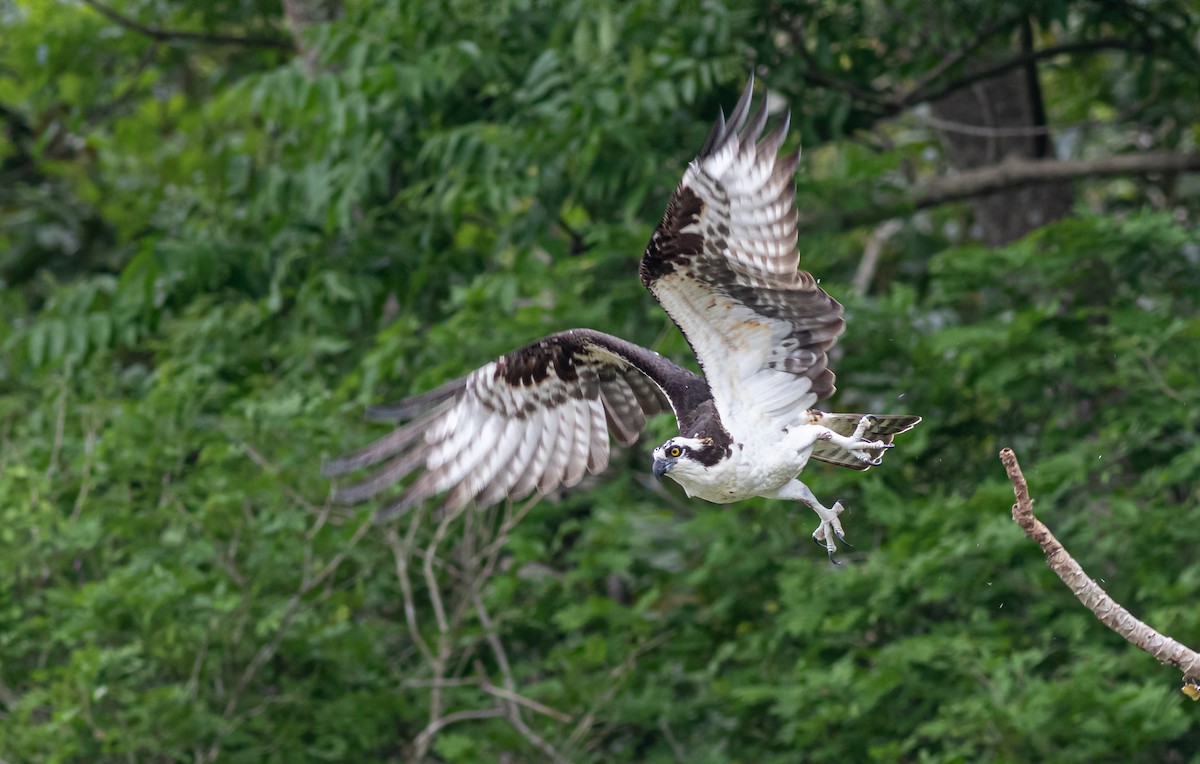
point(425, 737)
point(529, 703)
point(871, 253)
point(1087, 591)
point(400, 551)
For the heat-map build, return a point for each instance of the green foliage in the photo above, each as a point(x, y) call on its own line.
point(211, 259)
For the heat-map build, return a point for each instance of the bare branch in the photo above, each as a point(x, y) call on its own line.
point(60, 421)
point(954, 58)
point(426, 735)
point(529, 703)
point(1016, 62)
point(1020, 172)
point(85, 479)
point(1086, 590)
point(985, 131)
point(1015, 173)
point(871, 253)
point(439, 610)
point(814, 74)
point(264, 654)
point(493, 638)
point(273, 469)
point(400, 551)
point(172, 35)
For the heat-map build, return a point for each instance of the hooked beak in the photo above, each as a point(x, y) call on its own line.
point(662, 467)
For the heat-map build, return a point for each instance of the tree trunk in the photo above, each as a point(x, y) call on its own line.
point(1010, 105)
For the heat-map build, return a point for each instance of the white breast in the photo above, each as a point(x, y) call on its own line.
point(762, 461)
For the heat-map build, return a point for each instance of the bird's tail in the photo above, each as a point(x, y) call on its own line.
point(883, 428)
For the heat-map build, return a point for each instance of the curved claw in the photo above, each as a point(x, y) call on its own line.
point(830, 529)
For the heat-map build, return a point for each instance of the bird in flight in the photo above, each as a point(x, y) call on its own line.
point(723, 265)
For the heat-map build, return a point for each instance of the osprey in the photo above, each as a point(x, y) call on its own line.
point(723, 264)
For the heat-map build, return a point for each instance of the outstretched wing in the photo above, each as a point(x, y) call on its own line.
point(536, 418)
point(723, 264)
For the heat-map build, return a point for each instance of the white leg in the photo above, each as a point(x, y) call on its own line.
point(855, 444)
point(830, 527)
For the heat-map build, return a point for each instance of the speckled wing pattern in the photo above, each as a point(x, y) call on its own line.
point(534, 419)
point(723, 264)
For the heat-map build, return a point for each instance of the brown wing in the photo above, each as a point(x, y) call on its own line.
point(723, 264)
point(536, 418)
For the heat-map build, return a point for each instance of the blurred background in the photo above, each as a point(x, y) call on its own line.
point(227, 227)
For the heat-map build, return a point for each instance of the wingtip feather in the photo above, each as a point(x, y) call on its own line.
point(715, 135)
point(737, 117)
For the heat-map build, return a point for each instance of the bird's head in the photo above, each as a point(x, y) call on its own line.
point(681, 458)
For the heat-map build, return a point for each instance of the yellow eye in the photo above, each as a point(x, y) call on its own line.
point(675, 451)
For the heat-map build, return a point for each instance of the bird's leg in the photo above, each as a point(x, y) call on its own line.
point(830, 527)
point(855, 444)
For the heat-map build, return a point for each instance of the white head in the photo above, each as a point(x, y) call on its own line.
point(686, 460)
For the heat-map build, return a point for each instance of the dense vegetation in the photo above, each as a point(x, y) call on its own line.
point(214, 251)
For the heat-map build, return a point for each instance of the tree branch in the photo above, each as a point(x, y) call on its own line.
point(172, 35)
point(814, 74)
point(1015, 173)
point(1087, 591)
point(919, 95)
point(954, 58)
point(425, 738)
point(1019, 172)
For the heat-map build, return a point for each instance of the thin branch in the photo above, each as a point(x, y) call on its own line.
point(1086, 590)
point(275, 471)
point(536, 740)
point(1014, 173)
point(400, 552)
point(264, 654)
point(60, 421)
point(1157, 376)
point(1020, 172)
point(173, 35)
point(676, 748)
point(984, 131)
point(267, 651)
point(814, 74)
point(871, 253)
point(953, 59)
point(131, 87)
point(529, 703)
point(444, 639)
point(1016, 62)
point(426, 735)
point(578, 244)
point(443, 682)
point(339, 558)
point(439, 610)
point(85, 478)
point(493, 638)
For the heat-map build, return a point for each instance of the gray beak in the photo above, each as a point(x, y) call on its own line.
point(662, 467)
